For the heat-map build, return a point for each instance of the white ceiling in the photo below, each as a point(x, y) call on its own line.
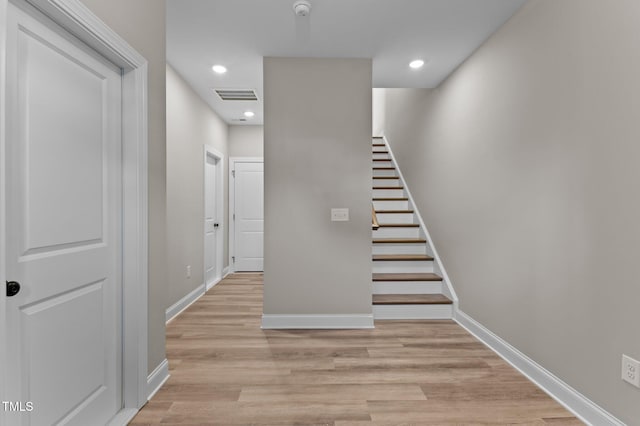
point(238, 33)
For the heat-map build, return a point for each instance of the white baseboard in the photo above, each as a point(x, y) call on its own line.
point(212, 284)
point(585, 409)
point(157, 378)
point(123, 417)
point(225, 272)
point(317, 321)
point(182, 304)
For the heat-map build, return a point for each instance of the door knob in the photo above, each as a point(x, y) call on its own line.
point(215, 225)
point(13, 288)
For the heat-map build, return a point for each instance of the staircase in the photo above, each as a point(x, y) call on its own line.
point(406, 283)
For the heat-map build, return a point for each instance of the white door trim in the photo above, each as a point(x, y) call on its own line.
point(208, 150)
point(76, 18)
point(232, 199)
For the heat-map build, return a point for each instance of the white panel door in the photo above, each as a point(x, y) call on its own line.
point(211, 226)
point(249, 216)
point(64, 227)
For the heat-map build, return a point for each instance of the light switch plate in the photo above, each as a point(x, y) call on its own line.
point(340, 215)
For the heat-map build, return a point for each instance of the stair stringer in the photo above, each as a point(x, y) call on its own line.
point(438, 267)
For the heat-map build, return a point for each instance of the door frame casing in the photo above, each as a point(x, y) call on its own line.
point(232, 203)
point(210, 151)
point(76, 18)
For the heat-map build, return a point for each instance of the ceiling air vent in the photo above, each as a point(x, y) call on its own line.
point(237, 94)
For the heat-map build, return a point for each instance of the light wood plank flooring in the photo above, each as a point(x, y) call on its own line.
point(226, 370)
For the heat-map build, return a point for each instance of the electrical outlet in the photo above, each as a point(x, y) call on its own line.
point(188, 271)
point(631, 371)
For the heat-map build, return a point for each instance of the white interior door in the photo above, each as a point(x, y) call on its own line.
point(249, 216)
point(64, 226)
point(211, 224)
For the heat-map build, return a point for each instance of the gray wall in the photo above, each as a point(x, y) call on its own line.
point(191, 124)
point(317, 135)
point(524, 164)
point(378, 115)
point(246, 141)
point(142, 24)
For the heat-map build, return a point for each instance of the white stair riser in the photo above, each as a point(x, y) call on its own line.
point(384, 173)
point(391, 205)
point(386, 182)
point(384, 193)
point(395, 217)
point(382, 163)
point(380, 155)
point(399, 249)
point(412, 311)
point(407, 287)
point(402, 266)
point(396, 232)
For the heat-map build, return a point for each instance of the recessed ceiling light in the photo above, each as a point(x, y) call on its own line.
point(418, 63)
point(219, 69)
point(249, 114)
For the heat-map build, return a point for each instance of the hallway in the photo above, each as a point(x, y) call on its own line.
point(226, 370)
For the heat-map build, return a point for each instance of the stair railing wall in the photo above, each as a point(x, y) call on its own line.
point(448, 289)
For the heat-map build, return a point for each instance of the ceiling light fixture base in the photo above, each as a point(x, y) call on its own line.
point(302, 8)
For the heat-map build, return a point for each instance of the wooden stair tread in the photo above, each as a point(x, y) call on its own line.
point(384, 168)
point(401, 257)
point(386, 177)
point(382, 159)
point(380, 152)
point(406, 276)
point(399, 241)
point(388, 187)
point(411, 299)
point(378, 145)
point(376, 137)
point(398, 225)
point(390, 199)
point(394, 211)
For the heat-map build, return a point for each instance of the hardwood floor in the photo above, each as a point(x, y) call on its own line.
point(225, 370)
